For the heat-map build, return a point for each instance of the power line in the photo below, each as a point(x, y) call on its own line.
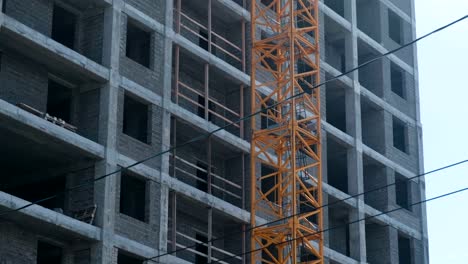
point(323, 83)
point(344, 225)
point(235, 122)
point(321, 207)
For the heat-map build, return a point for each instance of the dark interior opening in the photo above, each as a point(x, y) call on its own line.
point(59, 99)
point(337, 166)
point(132, 197)
point(395, 27)
point(201, 108)
point(48, 253)
point(268, 183)
point(64, 26)
point(397, 80)
point(135, 119)
point(126, 259)
point(138, 44)
point(203, 39)
point(402, 191)
point(404, 250)
point(201, 248)
point(336, 106)
point(337, 6)
point(399, 135)
point(34, 191)
point(202, 175)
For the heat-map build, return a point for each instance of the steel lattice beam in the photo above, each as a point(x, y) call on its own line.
point(286, 152)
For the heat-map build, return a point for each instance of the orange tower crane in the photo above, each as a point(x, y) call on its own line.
point(286, 152)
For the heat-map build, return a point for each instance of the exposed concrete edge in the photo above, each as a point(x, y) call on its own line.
point(139, 249)
point(386, 161)
point(386, 219)
point(397, 10)
point(142, 18)
point(381, 49)
point(55, 131)
point(189, 191)
point(341, 136)
point(237, 9)
point(140, 91)
point(48, 216)
point(333, 15)
point(98, 71)
point(386, 106)
point(369, 211)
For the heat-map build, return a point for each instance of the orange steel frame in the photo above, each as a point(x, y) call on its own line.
point(285, 62)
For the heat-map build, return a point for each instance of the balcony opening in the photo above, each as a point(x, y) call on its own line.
point(133, 197)
point(400, 140)
point(395, 27)
point(202, 249)
point(378, 243)
point(375, 180)
point(123, 258)
point(48, 253)
point(397, 77)
point(336, 105)
point(369, 18)
point(337, 165)
point(370, 76)
point(335, 45)
point(135, 119)
point(338, 217)
point(59, 101)
point(138, 46)
point(36, 190)
point(203, 39)
point(402, 191)
point(404, 250)
point(64, 26)
point(202, 176)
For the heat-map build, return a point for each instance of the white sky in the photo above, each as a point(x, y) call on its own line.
point(443, 69)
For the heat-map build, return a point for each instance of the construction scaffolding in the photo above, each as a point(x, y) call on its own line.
point(286, 152)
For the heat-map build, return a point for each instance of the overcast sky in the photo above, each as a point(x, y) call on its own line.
point(443, 86)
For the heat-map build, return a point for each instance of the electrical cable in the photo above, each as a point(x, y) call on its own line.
point(321, 207)
point(344, 225)
point(207, 135)
point(330, 80)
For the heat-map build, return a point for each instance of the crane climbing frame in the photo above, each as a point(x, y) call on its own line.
point(285, 145)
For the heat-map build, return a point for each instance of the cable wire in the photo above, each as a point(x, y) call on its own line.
point(346, 224)
point(207, 135)
point(321, 207)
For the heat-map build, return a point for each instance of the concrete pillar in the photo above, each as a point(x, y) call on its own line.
point(105, 189)
point(166, 128)
point(357, 231)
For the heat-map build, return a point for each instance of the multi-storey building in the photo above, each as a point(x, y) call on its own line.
point(90, 86)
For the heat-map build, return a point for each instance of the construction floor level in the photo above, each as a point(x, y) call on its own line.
point(91, 86)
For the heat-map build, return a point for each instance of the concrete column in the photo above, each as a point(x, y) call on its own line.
point(105, 190)
point(357, 231)
point(166, 128)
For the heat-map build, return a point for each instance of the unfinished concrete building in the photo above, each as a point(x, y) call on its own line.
point(91, 86)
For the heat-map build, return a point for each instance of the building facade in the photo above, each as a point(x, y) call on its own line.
point(88, 87)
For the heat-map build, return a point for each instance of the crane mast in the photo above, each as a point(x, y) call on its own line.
point(286, 181)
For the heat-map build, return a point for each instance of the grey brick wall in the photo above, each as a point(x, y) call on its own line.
point(17, 246)
point(23, 81)
point(152, 8)
point(91, 34)
point(36, 14)
point(151, 77)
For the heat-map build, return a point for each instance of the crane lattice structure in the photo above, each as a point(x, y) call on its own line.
point(286, 152)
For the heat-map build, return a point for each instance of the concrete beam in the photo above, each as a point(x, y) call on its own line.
point(191, 192)
point(40, 125)
point(52, 51)
point(47, 216)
